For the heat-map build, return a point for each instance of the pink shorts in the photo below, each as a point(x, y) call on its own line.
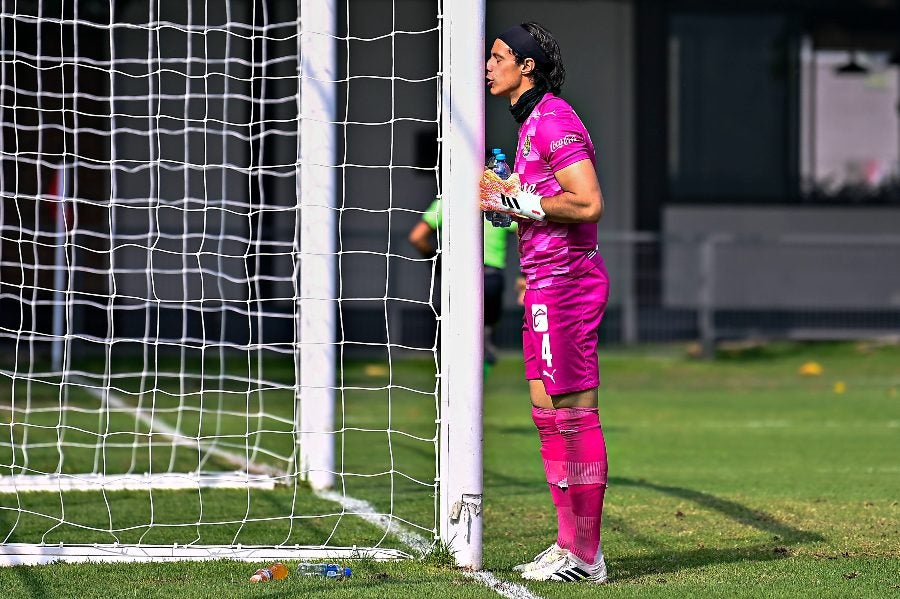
point(559, 332)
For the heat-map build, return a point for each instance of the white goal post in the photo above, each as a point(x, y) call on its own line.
point(215, 343)
point(462, 103)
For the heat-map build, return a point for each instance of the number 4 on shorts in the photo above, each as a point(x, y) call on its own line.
point(546, 355)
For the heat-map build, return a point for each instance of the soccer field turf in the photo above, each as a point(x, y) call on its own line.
point(737, 477)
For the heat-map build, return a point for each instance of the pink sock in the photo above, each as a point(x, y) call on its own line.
point(553, 450)
point(587, 510)
point(586, 468)
point(565, 517)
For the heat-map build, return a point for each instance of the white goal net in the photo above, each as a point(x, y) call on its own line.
point(214, 338)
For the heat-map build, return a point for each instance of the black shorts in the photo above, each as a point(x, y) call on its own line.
point(493, 295)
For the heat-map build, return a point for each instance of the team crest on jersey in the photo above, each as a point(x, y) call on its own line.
point(539, 318)
point(526, 147)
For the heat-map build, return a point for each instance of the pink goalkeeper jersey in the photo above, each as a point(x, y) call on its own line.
point(550, 139)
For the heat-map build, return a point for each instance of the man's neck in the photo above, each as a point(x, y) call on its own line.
point(514, 97)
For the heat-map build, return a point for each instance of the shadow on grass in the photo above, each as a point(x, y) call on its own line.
point(767, 351)
point(664, 560)
point(757, 519)
point(31, 580)
point(669, 562)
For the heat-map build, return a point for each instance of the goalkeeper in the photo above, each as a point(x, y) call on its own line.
point(495, 241)
point(556, 199)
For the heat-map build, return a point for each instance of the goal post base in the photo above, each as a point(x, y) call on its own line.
point(17, 554)
point(22, 483)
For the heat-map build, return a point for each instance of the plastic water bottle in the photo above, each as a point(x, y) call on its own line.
point(492, 161)
point(326, 570)
point(501, 167)
point(276, 571)
point(499, 219)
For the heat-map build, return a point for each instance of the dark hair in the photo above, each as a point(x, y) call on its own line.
point(550, 76)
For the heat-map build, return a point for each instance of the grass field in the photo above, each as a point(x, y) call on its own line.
point(736, 477)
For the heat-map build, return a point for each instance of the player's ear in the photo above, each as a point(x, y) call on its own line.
point(527, 66)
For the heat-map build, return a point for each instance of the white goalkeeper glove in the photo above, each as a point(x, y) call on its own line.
point(509, 196)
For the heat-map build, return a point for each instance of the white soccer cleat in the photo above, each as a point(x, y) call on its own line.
point(551, 554)
point(570, 569)
point(549, 563)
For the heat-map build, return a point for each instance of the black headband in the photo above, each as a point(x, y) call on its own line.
point(522, 43)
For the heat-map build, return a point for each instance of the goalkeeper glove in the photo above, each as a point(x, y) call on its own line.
point(509, 196)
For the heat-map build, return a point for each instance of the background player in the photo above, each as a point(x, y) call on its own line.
point(495, 241)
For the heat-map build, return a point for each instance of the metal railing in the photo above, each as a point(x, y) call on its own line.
point(724, 286)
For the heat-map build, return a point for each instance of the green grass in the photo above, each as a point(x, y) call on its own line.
point(387, 449)
point(731, 478)
point(736, 477)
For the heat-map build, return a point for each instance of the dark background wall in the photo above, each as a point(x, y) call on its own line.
point(191, 170)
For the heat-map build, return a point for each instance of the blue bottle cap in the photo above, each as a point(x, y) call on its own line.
point(501, 156)
point(496, 151)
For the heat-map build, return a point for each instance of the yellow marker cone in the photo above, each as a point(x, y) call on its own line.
point(811, 369)
point(375, 370)
point(840, 387)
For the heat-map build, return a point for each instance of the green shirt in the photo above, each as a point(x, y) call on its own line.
point(494, 237)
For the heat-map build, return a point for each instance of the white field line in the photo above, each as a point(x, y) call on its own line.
point(501, 587)
point(366, 511)
point(356, 507)
point(158, 426)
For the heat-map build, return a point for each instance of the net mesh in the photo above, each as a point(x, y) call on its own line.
point(150, 274)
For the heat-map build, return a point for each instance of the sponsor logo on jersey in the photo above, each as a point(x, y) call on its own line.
point(563, 141)
point(539, 318)
point(526, 147)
